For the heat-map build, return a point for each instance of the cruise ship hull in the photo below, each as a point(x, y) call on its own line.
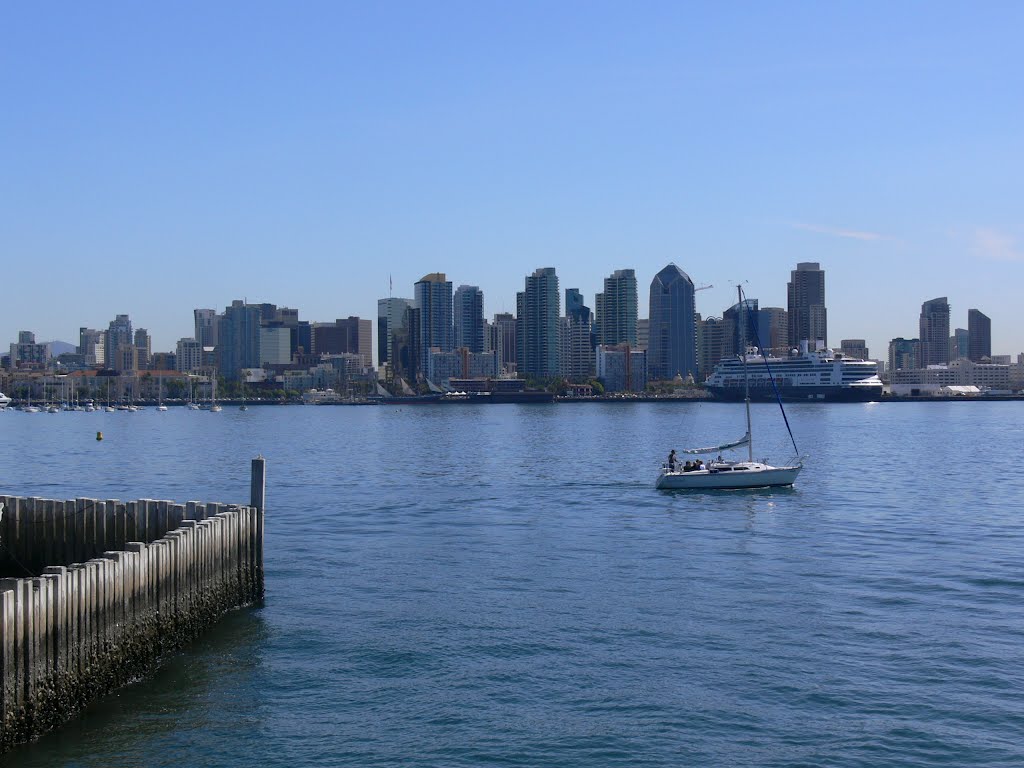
point(803, 394)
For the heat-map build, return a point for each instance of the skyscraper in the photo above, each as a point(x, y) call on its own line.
point(390, 317)
point(238, 339)
point(959, 344)
point(672, 340)
point(574, 306)
point(933, 348)
point(537, 310)
point(433, 296)
point(503, 340)
point(979, 335)
point(807, 315)
point(206, 327)
point(469, 318)
point(119, 334)
point(711, 343)
point(617, 309)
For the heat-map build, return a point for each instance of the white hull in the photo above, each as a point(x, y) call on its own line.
point(728, 476)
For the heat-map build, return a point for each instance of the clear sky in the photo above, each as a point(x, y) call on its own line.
point(158, 157)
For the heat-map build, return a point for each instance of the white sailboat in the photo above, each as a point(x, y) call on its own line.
point(722, 474)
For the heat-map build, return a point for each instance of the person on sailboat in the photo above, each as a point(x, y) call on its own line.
point(688, 467)
point(672, 460)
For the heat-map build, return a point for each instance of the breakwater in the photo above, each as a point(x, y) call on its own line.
point(95, 592)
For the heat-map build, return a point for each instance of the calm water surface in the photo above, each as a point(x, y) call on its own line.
point(501, 585)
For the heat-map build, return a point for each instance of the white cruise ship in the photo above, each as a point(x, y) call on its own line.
point(821, 375)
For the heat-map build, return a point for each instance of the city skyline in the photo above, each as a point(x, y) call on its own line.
point(272, 162)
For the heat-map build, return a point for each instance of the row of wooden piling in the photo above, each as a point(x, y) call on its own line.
point(74, 631)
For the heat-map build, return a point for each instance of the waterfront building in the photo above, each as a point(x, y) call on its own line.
point(979, 334)
point(352, 336)
point(433, 297)
point(275, 344)
point(959, 344)
point(621, 368)
point(25, 353)
point(390, 316)
point(576, 348)
point(934, 333)
point(442, 367)
point(468, 312)
point(855, 348)
point(503, 340)
point(537, 310)
point(958, 373)
point(710, 345)
point(91, 346)
point(808, 318)
point(616, 309)
point(144, 345)
point(672, 344)
point(903, 354)
point(189, 356)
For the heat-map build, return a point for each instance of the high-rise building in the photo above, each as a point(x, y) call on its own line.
point(92, 346)
point(672, 343)
point(934, 333)
point(643, 333)
point(710, 346)
point(979, 334)
point(734, 334)
point(206, 327)
point(959, 344)
point(144, 344)
point(27, 353)
point(856, 349)
point(777, 342)
point(469, 318)
point(190, 356)
point(617, 309)
point(238, 339)
point(503, 340)
point(576, 355)
point(390, 315)
point(621, 368)
point(275, 344)
point(350, 336)
point(537, 310)
point(808, 318)
point(903, 353)
point(575, 308)
point(433, 296)
point(119, 334)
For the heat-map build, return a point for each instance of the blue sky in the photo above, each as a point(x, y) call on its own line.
point(161, 157)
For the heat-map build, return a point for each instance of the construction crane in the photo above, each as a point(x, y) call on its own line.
point(703, 288)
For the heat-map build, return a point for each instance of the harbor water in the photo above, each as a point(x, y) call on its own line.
point(502, 585)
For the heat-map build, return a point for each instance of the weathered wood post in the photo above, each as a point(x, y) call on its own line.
point(257, 499)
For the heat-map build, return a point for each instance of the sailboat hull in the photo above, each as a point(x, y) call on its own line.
point(731, 476)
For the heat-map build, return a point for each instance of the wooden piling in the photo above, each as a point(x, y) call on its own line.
point(93, 592)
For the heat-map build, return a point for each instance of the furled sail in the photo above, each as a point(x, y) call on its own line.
point(719, 448)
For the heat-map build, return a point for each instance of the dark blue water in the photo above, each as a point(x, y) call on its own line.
point(501, 585)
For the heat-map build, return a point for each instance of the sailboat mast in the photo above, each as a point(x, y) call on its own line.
point(746, 379)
